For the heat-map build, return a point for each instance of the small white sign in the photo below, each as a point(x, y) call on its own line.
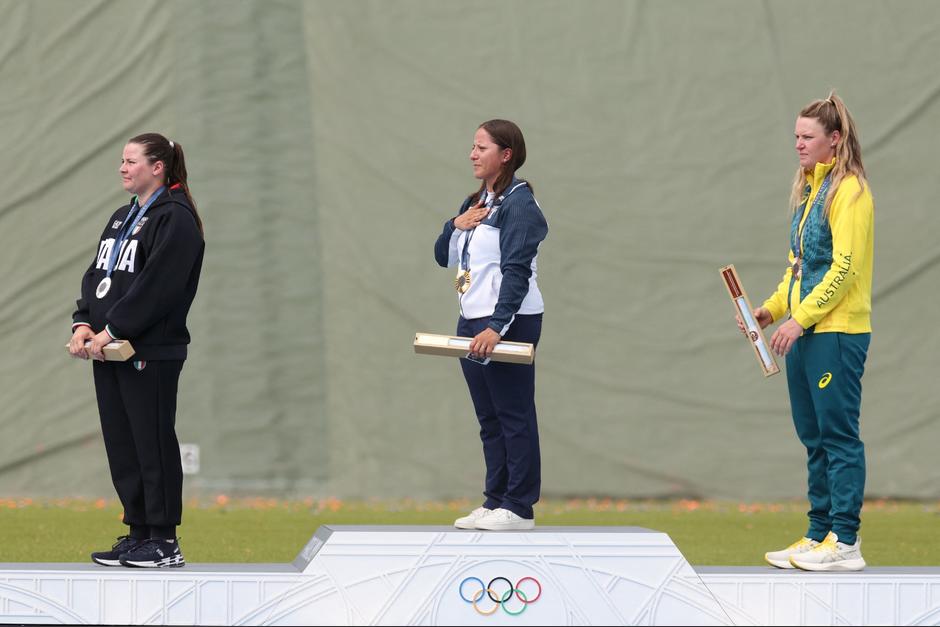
point(189, 455)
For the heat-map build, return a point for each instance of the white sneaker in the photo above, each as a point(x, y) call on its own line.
point(504, 520)
point(470, 520)
point(781, 558)
point(831, 556)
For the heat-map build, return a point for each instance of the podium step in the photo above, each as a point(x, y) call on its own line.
point(388, 575)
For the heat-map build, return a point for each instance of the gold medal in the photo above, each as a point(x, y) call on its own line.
point(462, 282)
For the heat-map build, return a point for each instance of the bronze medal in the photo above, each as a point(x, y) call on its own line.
point(797, 268)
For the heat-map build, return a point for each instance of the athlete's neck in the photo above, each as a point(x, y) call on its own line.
point(144, 196)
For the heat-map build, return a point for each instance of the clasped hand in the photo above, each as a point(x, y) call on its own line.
point(94, 350)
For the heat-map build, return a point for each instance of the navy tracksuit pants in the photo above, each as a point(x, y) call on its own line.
point(824, 377)
point(504, 400)
point(138, 421)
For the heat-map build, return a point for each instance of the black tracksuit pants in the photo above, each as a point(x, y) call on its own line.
point(138, 421)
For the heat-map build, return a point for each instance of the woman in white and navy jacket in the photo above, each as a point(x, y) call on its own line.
point(493, 242)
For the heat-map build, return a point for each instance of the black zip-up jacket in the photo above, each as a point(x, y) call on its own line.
point(153, 282)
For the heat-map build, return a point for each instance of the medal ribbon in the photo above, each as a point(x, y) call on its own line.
point(465, 255)
point(493, 203)
point(128, 227)
point(796, 230)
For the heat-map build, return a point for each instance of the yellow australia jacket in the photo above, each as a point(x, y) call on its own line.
point(834, 289)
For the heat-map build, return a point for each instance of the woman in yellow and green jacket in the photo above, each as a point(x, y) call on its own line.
point(826, 290)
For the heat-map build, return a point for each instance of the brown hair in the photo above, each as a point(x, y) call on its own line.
point(159, 148)
point(505, 134)
point(833, 115)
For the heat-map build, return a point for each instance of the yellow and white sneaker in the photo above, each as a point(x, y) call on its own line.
point(781, 558)
point(831, 556)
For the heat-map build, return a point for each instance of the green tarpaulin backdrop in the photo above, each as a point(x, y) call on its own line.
point(327, 142)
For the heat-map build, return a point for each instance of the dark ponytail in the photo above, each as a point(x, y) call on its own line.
point(159, 148)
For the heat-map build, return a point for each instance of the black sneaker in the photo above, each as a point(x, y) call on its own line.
point(154, 553)
point(112, 557)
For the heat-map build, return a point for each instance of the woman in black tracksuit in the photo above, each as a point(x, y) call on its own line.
point(139, 288)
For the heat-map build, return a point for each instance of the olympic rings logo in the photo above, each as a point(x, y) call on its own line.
point(502, 599)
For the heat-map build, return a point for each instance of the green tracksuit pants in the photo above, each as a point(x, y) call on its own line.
point(824, 377)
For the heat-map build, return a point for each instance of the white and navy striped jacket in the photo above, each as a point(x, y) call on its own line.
point(503, 250)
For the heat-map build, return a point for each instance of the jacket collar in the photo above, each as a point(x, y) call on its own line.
point(172, 193)
point(514, 185)
point(815, 178)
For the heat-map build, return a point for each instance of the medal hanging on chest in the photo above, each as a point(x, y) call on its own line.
point(127, 229)
point(103, 287)
point(462, 282)
point(796, 235)
point(800, 220)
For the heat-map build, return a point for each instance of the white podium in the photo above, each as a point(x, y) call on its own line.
point(388, 575)
point(349, 575)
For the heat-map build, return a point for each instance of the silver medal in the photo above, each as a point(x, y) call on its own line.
point(103, 287)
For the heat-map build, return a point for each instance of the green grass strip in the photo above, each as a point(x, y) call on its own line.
point(269, 530)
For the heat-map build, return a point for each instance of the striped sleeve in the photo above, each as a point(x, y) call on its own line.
point(522, 229)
